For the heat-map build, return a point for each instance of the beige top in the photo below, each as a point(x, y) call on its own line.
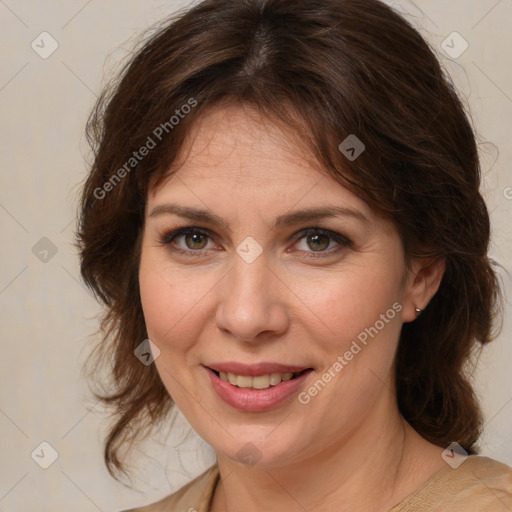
point(479, 484)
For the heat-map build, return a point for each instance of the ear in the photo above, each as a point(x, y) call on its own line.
point(423, 281)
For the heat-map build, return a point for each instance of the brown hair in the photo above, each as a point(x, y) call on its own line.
point(326, 69)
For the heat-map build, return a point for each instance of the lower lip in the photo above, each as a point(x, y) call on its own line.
point(256, 400)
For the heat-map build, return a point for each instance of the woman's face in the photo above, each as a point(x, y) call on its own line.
point(259, 283)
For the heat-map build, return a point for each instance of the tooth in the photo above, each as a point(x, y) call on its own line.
point(275, 379)
point(243, 381)
point(261, 382)
point(258, 382)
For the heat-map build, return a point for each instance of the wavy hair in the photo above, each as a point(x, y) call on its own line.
point(325, 69)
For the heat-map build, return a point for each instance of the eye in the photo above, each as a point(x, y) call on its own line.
point(194, 240)
point(319, 240)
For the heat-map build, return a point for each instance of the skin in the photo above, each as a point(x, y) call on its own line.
point(348, 449)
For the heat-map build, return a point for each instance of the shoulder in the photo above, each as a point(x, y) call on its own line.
point(478, 484)
point(195, 496)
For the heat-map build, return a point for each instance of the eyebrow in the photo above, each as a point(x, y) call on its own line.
point(295, 217)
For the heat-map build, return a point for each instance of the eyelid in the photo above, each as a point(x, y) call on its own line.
point(169, 236)
point(338, 237)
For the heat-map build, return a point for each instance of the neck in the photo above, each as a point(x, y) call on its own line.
point(380, 462)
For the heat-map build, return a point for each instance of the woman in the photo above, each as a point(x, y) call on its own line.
point(285, 201)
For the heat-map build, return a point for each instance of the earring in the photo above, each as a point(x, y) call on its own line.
point(418, 311)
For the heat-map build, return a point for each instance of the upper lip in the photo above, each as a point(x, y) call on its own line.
point(256, 369)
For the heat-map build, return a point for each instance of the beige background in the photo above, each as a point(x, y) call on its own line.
point(46, 313)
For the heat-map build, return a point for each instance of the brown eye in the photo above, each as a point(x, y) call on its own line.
point(190, 241)
point(195, 240)
point(318, 242)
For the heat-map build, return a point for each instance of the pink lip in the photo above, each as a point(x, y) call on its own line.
point(254, 370)
point(256, 400)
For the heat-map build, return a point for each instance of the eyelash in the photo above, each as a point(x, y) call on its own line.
point(170, 236)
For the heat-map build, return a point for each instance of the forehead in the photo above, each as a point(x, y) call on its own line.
point(235, 152)
point(237, 140)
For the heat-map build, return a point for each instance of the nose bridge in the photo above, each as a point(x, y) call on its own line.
point(249, 303)
point(248, 277)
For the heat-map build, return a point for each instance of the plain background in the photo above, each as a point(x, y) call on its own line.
point(48, 316)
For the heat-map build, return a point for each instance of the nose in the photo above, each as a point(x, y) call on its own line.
point(252, 302)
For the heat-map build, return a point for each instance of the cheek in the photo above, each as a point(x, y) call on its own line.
point(164, 301)
point(362, 309)
point(169, 302)
point(172, 301)
point(353, 300)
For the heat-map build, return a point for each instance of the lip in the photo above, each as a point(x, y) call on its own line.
point(253, 370)
point(257, 400)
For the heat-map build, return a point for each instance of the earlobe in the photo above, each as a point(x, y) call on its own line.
point(424, 281)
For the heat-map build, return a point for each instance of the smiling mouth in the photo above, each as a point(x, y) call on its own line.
point(264, 381)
